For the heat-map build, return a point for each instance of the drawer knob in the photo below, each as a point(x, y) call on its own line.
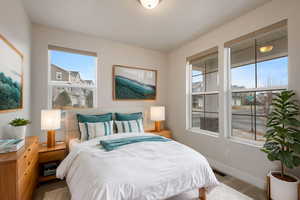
point(29, 149)
point(25, 156)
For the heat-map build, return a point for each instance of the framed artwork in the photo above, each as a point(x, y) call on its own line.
point(134, 83)
point(11, 77)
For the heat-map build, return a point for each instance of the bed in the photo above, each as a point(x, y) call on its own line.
point(139, 171)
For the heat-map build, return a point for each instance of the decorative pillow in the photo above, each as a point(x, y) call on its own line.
point(83, 132)
point(127, 117)
point(132, 126)
point(99, 129)
point(94, 118)
point(82, 119)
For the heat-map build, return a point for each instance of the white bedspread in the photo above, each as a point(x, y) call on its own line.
point(140, 171)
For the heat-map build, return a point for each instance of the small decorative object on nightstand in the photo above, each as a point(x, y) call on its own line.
point(164, 133)
point(50, 121)
point(158, 115)
point(49, 159)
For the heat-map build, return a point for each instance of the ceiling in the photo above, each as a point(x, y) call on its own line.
point(168, 26)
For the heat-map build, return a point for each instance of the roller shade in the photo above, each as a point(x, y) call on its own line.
point(250, 50)
point(76, 51)
point(199, 56)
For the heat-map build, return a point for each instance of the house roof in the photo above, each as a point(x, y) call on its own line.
point(88, 81)
point(56, 66)
point(74, 73)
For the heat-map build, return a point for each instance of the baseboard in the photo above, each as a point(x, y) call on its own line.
point(260, 183)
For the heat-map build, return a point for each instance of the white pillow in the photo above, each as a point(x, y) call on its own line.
point(84, 134)
point(99, 129)
point(132, 126)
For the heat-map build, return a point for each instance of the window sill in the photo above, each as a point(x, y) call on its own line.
point(251, 143)
point(202, 132)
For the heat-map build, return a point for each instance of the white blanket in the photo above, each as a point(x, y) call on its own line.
point(139, 171)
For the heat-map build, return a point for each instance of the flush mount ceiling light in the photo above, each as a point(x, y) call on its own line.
point(149, 4)
point(266, 49)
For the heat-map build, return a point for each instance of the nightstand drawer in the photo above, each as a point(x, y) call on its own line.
point(51, 156)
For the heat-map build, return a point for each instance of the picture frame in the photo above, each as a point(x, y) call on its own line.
point(134, 83)
point(11, 77)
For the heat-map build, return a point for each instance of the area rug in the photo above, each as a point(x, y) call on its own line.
point(222, 192)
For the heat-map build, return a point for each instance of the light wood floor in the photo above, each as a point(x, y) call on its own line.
point(247, 189)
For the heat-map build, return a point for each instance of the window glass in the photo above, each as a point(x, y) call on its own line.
point(211, 103)
point(197, 81)
point(204, 97)
point(259, 70)
point(273, 73)
point(72, 81)
point(243, 77)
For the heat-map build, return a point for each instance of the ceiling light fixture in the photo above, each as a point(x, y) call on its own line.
point(149, 4)
point(266, 49)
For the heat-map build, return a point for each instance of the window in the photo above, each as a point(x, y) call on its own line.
point(58, 76)
point(203, 70)
point(259, 69)
point(72, 78)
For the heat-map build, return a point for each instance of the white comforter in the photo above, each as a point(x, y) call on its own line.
point(140, 171)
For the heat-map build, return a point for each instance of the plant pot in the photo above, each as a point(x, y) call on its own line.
point(283, 189)
point(18, 132)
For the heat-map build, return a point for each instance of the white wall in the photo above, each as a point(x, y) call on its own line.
point(109, 53)
point(16, 28)
point(243, 161)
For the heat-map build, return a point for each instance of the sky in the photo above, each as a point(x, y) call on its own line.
point(269, 73)
point(86, 65)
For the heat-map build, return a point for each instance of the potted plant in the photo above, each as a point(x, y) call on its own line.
point(283, 144)
point(18, 128)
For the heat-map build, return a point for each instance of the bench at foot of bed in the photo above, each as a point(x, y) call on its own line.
point(202, 194)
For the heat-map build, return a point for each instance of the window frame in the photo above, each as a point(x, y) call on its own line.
point(190, 93)
point(52, 83)
point(227, 54)
point(225, 89)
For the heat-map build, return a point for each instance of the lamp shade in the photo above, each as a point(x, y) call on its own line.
point(50, 119)
point(157, 113)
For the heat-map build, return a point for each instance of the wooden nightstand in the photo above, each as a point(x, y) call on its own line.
point(164, 133)
point(50, 155)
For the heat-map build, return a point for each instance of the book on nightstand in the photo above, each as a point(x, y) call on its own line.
point(11, 145)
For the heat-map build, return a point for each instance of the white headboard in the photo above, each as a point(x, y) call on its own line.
point(69, 119)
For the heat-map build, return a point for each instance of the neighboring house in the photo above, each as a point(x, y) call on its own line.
point(59, 74)
point(88, 82)
point(237, 100)
point(71, 77)
point(75, 77)
point(78, 95)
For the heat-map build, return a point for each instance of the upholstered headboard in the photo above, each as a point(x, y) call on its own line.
point(70, 126)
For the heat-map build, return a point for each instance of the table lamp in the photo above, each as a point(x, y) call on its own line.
point(158, 115)
point(50, 121)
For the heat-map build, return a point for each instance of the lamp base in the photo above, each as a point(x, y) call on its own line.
point(51, 138)
point(158, 126)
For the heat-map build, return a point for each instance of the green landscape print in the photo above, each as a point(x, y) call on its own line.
point(10, 77)
point(134, 83)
